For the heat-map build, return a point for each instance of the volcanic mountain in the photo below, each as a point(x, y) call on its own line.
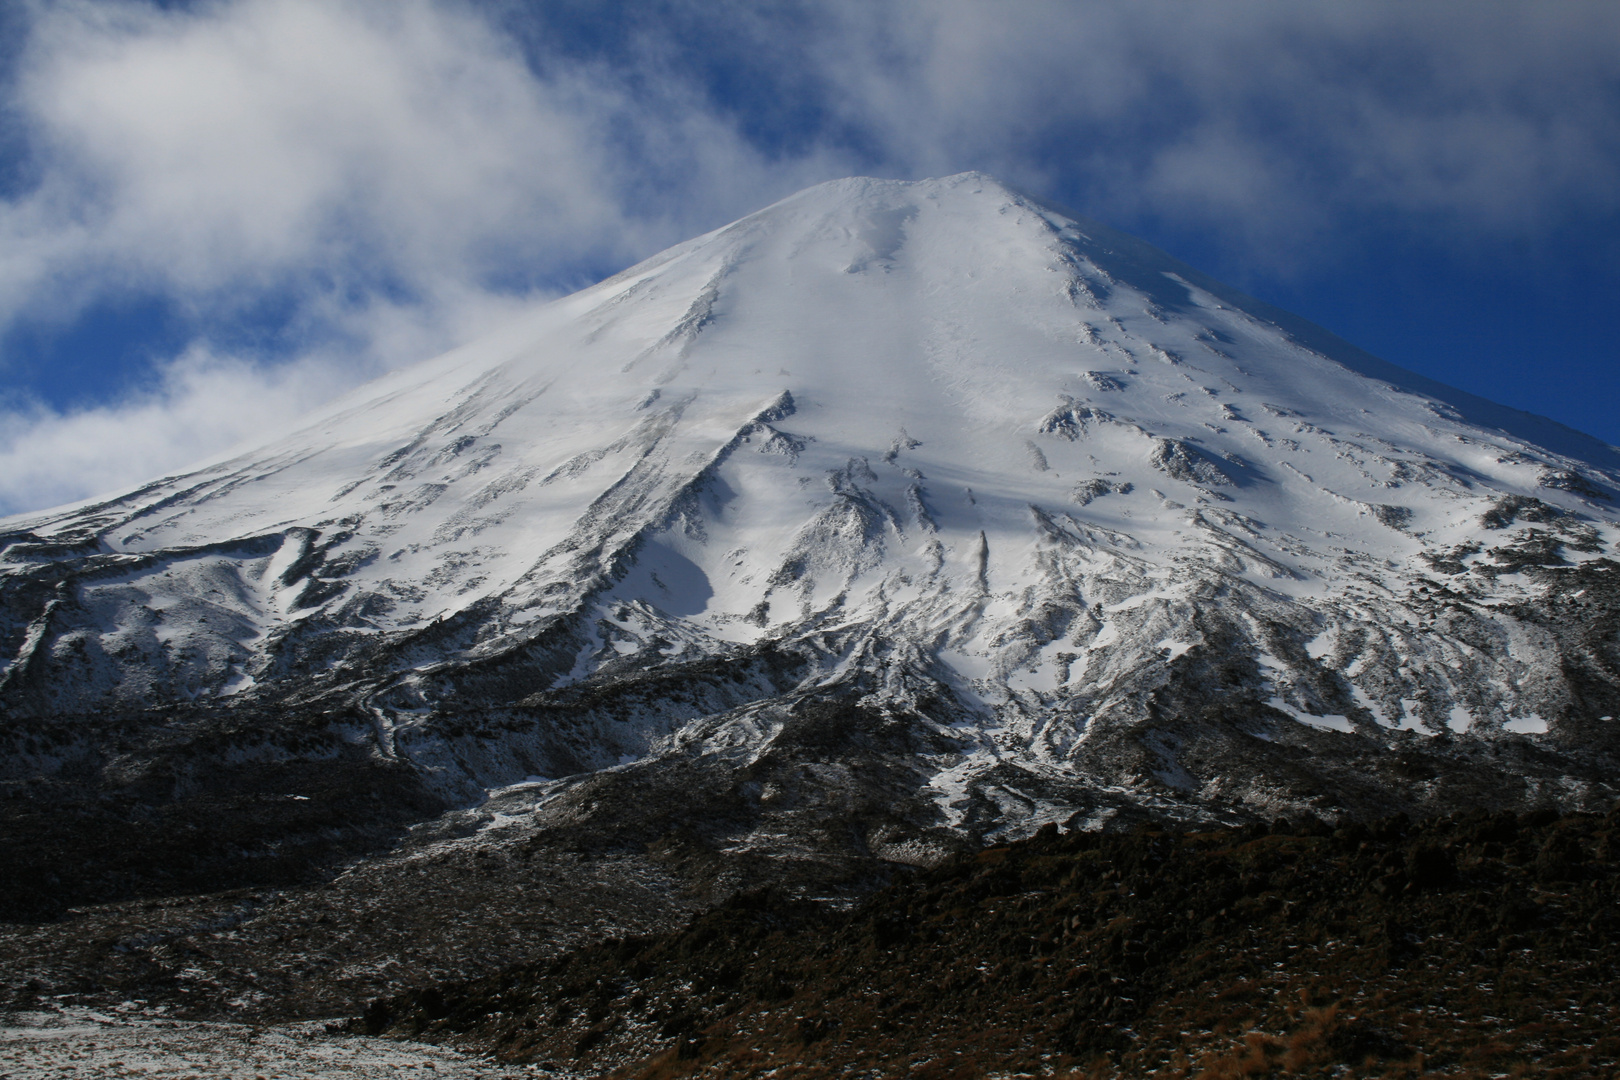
point(888, 519)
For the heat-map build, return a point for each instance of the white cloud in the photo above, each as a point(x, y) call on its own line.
point(203, 404)
point(392, 174)
point(256, 142)
point(1259, 118)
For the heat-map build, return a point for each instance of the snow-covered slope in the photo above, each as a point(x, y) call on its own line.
point(1060, 523)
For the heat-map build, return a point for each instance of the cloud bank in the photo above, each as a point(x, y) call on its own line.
point(1272, 117)
point(325, 190)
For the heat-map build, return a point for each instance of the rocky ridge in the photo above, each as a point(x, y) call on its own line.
point(1472, 946)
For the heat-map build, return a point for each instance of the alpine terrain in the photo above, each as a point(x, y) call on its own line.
point(891, 520)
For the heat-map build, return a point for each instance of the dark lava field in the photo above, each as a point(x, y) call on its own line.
point(1479, 945)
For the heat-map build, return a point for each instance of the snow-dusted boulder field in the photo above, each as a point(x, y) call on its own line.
point(892, 515)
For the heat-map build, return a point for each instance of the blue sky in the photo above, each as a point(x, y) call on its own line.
point(215, 215)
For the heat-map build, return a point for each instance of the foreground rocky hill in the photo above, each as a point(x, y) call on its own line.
point(1478, 945)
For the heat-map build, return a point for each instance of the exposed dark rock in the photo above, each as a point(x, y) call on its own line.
point(1213, 954)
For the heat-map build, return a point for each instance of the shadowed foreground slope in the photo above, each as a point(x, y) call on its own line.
point(1478, 945)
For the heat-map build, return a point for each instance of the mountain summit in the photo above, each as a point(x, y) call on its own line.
point(892, 517)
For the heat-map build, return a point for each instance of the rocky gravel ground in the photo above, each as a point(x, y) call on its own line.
point(82, 1043)
point(466, 893)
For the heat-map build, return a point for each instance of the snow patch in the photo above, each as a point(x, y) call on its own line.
point(1530, 724)
point(1325, 722)
point(1176, 649)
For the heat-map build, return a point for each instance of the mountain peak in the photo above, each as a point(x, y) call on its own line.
point(1006, 512)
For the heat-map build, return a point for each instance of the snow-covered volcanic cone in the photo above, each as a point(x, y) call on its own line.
point(891, 512)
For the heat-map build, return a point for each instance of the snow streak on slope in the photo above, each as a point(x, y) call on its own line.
point(933, 450)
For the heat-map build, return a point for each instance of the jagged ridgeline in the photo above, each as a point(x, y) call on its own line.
point(891, 518)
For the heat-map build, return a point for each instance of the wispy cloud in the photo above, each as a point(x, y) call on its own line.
point(392, 176)
point(1259, 117)
point(201, 404)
